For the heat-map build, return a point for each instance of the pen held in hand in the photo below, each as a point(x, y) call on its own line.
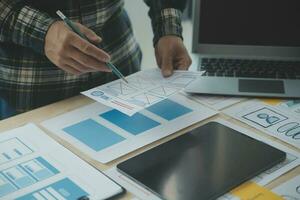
point(74, 28)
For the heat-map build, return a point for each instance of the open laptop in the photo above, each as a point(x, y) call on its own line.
point(247, 47)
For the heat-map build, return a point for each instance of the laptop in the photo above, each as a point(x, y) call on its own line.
point(247, 47)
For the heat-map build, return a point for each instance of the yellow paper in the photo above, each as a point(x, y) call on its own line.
point(252, 191)
point(272, 102)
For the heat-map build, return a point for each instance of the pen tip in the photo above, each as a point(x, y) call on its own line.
point(60, 14)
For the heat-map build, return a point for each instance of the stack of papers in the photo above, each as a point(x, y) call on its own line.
point(34, 166)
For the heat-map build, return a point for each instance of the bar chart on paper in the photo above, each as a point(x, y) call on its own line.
point(34, 166)
point(13, 149)
point(106, 134)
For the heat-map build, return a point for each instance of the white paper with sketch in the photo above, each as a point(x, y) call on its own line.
point(34, 166)
point(145, 88)
point(270, 120)
point(292, 161)
point(290, 190)
point(106, 134)
point(290, 106)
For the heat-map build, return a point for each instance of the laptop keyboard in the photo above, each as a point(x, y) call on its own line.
point(251, 68)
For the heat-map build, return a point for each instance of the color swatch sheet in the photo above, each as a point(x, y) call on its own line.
point(292, 161)
point(145, 88)
point(290, 190)
point(270, 119)
point(34, 166)
point(105, 134)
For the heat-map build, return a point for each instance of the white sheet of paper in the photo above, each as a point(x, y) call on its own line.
point(291, 106)
point(292, 161)
point(34, 166)
point(270, 120)
point(145, 88)
point(216, 102)
point(83, 127)
point(289, 190)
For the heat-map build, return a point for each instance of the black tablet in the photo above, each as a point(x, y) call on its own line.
point(204, 163)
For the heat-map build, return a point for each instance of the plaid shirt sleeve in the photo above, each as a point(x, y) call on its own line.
point(166, 17)
point(23, 25)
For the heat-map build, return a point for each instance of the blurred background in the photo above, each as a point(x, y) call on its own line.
point(138, 12)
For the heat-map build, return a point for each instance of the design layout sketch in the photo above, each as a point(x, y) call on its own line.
point(144, 89)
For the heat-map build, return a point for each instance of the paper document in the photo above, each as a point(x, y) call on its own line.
point(34, 166)
point(145, 88)
point(290, 106)
point(216, 102)
point(292, 161)
point(289, 190)
point(269, 119)
point(106, 134)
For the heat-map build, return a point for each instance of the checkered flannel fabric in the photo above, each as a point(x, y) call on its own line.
point(29, 80)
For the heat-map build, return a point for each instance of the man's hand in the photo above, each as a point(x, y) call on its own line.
point(73, 54)
point(171, 54)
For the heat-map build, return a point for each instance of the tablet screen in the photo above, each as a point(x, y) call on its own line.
point(204, 163)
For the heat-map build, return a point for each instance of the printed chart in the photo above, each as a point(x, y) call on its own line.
point(292, 161)
point(33, 166)
point(269, 119)
point(144, 89)
point(106, 134)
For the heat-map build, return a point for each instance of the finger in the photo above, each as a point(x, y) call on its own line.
point(91, 35)
point(78, 66)
point(88, 61)
point(89, 49)
point(167, 66)
point(185, 64)
point(70, 70)
point(158, 58)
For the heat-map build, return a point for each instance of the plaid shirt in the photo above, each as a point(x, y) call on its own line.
point(29, 80)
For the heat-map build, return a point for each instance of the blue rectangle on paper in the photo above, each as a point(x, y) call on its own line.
point(134, 124)
point(168, 109)
point(47, 165)
point(6, 188)
point(93, 134)
point(65, 188)
point(46, 169)
point(22, 181)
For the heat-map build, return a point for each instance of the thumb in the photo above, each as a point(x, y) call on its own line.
point(91, 35)
point(167, 65)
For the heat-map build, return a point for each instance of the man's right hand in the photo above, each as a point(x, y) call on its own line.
point(71, 53)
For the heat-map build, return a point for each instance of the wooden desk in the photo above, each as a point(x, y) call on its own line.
point(50, 111)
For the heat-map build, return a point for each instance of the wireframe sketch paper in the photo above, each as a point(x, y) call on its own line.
point(269, 119)
point(290, 190)
point(105, 134)
point(145, 88)
point(292, 161)
point(34, 166)
point(290, 106)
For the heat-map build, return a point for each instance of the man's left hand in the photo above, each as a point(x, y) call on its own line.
point(171, 54)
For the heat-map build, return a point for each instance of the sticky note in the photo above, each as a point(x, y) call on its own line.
point(272, 102)
point(252, 191)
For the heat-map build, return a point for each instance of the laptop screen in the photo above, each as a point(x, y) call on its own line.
point(250, 22)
